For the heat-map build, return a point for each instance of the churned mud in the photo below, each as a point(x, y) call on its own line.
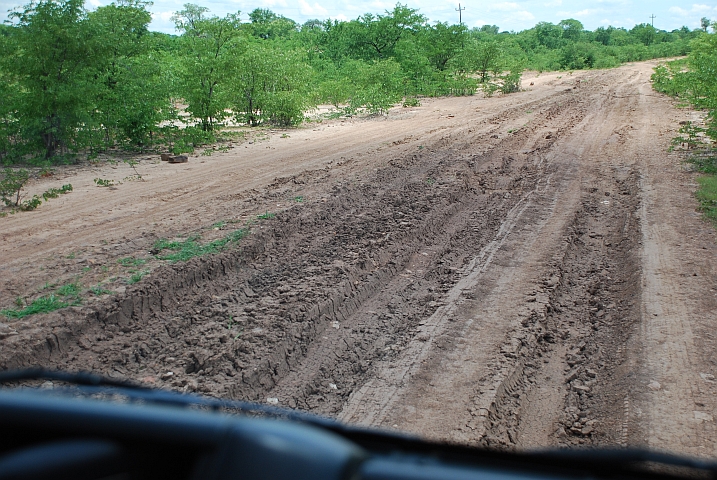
point(516, 272)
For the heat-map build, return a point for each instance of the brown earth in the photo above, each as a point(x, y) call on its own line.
point(518, 271)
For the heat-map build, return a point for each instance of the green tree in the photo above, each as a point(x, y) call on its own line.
point(548, 34)
point(210, 46)
point(705, 23)
point(378, 85)
point(54, 49)
point(442, 42)
point(268, 25)
point(377, 35)
point(129, 102)
point(572, 29)
point(487, 56)
point(645, 33)
point(269, 85)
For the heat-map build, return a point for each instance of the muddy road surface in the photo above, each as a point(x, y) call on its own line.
point(518, 271)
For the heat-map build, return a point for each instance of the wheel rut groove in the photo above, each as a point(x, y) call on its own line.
point(482, 271)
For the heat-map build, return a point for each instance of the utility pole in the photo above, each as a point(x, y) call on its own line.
point(460, 17)
point(652, 20)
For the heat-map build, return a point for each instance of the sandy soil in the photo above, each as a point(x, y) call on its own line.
point(519, 271)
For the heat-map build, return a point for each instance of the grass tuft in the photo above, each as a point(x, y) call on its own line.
point(131, 261)
point(39, 305)
point(187, 249)
point(136, 277)
point(707, 196)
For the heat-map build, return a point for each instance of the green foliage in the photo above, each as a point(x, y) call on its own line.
point(210, 46)
point(707, 196)
point(411, 102)
point(136, 277)
point(131, 261)
point(187, 249)
point(56, 192)
point(70, 290)
point(39, 305)
point(98, 290)
point(377, 85)
point(694, 80)
point(267, 25)
point(77, 82)
point(11, 185)
point(270, 86)
point(30, 204)
point(65, 296)
point(103, 182)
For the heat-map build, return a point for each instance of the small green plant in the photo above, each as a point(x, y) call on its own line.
point(71, 256)
point(284, 135)
point(11, 185)
point(131, 262)
point(56, 192)
point(137, 277)
point(689, 137)
point(98, 290)
point(70, 290)
point(39, 305)
point(707, 196)
point(430, 181)
point(266, 215)
point(19, 302)
point(30, 204)
point(299, 199)
point(219, 225)
point(190, 248)
point(86, 269)
point(102, 182)
point(207, 152)
point(411, 102)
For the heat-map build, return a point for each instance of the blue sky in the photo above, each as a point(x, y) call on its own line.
point(508, 15)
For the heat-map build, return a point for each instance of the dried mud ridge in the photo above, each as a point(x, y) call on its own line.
point(305, 310)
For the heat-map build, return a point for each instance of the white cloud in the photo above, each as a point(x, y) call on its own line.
point(585, 13)
point(679, 11)
point(274, 3)
point(380, 6)
point(696, 9)
point(162, 22)
point(523, 16)
point(504, 6)
point(314, 10)
point(554, 3)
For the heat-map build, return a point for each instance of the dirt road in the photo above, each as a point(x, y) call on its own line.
point(519, 271)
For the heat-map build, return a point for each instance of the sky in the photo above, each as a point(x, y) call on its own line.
point(508, 15)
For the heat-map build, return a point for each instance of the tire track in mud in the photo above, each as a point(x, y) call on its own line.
point(247, 318)
point(484, 289)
